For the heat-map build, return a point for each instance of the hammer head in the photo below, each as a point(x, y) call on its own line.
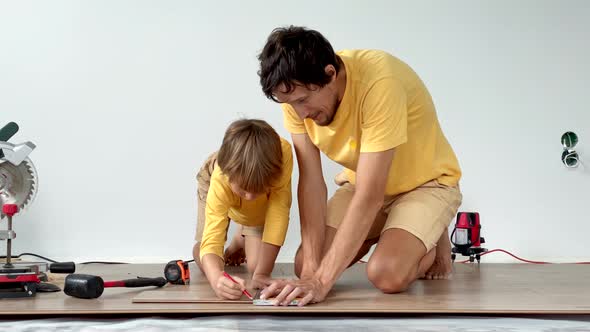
point(84, 286)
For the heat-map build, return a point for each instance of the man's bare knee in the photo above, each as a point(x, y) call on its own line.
point(387, 277)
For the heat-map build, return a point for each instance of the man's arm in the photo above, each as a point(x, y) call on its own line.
point(371, 178)
point(384, 127)
point(312, 195)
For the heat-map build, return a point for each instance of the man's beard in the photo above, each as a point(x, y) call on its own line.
point(331, 118)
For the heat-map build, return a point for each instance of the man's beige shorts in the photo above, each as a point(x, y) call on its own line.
point(204, 181)
point(425, 212)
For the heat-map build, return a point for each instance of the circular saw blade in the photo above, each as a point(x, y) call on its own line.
point(18, 184)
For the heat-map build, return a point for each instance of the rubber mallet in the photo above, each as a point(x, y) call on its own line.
point(86, 286)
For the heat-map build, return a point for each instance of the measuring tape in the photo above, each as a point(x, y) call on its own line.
point(177, 272)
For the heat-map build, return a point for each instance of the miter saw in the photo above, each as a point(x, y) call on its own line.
point(18, 187)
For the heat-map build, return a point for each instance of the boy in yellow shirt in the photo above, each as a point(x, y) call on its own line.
point(248, 181)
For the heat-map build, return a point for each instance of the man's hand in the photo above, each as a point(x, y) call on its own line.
point(260, 281)
point(310, 290)
point(227, 289)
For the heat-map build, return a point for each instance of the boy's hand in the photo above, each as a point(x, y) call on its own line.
point(260, 281)
point(227, 289)
point(234, 257)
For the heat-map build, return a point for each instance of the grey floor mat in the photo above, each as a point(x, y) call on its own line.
point(315, 323)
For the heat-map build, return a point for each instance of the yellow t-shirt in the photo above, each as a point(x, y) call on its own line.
point(385, 105)
point(271, 209)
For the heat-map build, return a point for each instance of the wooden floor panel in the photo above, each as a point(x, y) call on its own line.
point(483, 289)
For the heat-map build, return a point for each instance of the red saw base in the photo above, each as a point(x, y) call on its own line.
point(18, 284)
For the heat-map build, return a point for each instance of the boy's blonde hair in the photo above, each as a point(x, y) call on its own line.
point(251, 155)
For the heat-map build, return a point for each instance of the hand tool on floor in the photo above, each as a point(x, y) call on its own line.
point(18, 187)
point(86, 286)
point(62, 267)
point(269, 302)
point(466, 237)
point(177, 272)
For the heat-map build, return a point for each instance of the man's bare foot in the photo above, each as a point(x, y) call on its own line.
point(235, 254)
point(442, 266)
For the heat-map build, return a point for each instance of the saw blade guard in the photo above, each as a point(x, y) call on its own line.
point(18, 183)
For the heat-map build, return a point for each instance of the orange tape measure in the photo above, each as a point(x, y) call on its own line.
point(177, 272)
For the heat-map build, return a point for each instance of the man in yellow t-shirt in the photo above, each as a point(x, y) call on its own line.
point(248, 181)
point(371, 113)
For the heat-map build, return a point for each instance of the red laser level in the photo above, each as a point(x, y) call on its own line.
point(466, 237)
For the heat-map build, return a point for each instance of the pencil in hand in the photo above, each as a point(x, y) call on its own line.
point(245, 291)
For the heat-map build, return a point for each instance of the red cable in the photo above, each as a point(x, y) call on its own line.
point(508, 253)
point(520, 259)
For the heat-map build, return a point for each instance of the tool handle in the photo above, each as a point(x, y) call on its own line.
point(62, 267)
point(139, 282)
point(8, 131)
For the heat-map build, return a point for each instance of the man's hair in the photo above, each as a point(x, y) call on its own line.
point(295, 56)
point(251, 155)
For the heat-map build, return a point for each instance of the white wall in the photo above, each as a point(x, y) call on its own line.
point(125, 99)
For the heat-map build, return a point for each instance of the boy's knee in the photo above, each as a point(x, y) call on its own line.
point(196, 255)
point(196, 250)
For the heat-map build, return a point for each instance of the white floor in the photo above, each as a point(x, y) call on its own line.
point(289, 323)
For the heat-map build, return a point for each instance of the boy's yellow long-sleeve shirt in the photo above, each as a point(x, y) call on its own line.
point(270, 210)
